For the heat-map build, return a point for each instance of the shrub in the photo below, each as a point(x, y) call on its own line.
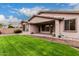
point(60, 36)
point(17, 31)
point(1, 25)
point(10, 26)
point(32, 33)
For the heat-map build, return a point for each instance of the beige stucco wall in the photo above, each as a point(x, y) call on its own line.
point(74, 34)
point(7, 30)
point(33, 28)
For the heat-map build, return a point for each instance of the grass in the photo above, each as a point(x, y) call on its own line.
point(20, 45)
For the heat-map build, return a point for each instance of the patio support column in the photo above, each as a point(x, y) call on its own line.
point(56, 28)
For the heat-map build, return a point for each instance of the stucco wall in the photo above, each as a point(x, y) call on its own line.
point(7, 30)
point(72, 34)
point(33, 28)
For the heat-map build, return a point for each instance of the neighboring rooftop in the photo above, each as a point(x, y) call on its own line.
point(66, 12)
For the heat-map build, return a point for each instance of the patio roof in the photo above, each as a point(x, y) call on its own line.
point(42, 19)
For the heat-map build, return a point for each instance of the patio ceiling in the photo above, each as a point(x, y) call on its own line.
point(42, 19)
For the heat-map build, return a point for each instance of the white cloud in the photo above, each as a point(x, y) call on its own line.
point(75, 6)
point(3, 20)
point(14, 21)
point(2, 17)
point(31, 11)
point(71, 7)
point(11, 20)
point(12, 9)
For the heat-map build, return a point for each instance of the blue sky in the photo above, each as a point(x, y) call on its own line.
point(23, 11)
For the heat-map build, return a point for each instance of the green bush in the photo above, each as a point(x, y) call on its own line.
point(60, 36)
point(1, 25)
point(17, 31)
point(10, 26)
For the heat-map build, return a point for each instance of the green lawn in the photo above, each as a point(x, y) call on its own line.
point(20, 45)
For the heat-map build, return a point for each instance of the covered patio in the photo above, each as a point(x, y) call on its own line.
point(45, 25)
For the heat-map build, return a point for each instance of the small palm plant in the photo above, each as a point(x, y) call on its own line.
point(60, 35)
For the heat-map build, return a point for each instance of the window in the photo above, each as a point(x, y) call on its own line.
point(66, 24)
point(69, 24)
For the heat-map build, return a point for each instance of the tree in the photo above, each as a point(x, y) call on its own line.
point(1, 25)
point(10, 26)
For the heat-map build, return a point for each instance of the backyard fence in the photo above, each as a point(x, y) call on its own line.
point(7, 30)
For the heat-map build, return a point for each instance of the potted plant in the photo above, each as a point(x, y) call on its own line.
point(60, 35)
point(32, 33)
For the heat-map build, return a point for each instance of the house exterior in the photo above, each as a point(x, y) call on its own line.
point(55, 23)
point(23, 26)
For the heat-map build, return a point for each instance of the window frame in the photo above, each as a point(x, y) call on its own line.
point(69, 30)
